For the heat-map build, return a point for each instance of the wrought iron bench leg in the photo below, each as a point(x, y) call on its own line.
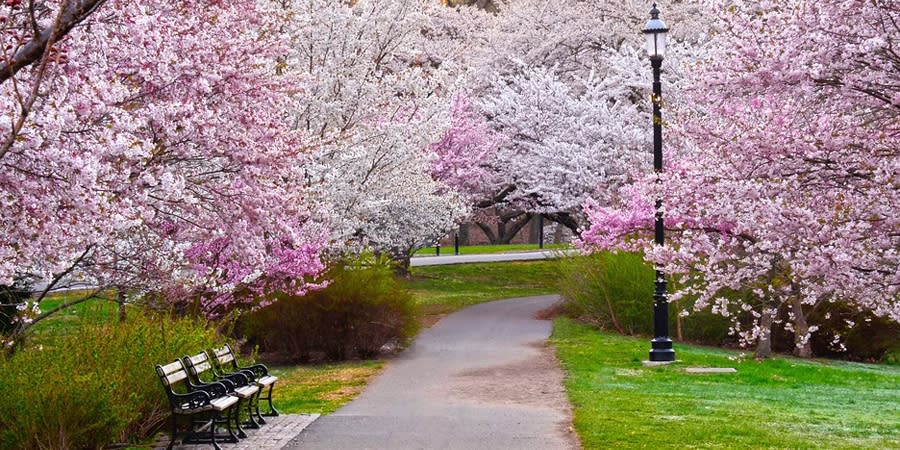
point(212, 431)
point(251, 420)
point(272, 411)
point(237, 421)
point(174, 431)
point(259, 417)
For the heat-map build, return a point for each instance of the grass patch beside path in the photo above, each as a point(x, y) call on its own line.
point(779, 403)
point(488, 249)
point(443, 289)
point(321, 388)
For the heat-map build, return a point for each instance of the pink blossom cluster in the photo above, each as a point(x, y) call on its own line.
point(466, 150)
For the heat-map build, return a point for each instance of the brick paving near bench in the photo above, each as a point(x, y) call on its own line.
point(274, 435)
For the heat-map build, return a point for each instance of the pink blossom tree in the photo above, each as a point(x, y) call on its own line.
point(150, 150)
point(785, 164)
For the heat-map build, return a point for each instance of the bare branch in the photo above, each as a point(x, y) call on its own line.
point(71, 13)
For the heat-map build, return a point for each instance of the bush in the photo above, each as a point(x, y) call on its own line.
point(94, 387)
point(870, 338)
point(363, 308)
point(614, 291)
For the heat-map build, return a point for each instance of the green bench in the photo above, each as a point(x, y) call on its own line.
point(205, 405)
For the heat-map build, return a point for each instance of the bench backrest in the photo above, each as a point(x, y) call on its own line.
point(225, 355)
point(171, 373)
point(197, 364)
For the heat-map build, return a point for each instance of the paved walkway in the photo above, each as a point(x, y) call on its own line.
point(450, 258)
point(482, 378)
point(274, 435)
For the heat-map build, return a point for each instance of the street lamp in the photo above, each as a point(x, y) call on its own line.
point(661, 346)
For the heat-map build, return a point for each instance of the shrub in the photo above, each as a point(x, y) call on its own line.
point(864, 336)
point(363, 308)
point(93, 387)
point(614, 291)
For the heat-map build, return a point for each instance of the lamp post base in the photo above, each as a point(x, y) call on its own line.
point(661, 349)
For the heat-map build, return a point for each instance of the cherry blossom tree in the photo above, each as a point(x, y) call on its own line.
point(378, 96)
point(784, 176)
point(562, 81)
point(149, 149)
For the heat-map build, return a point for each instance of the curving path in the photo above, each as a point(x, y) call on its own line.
point(482, 378)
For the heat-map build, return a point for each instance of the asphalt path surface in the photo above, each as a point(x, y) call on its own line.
point(418, 261)
point(481, 378)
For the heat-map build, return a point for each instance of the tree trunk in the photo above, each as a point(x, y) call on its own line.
point(508, 226)
point(558, 234)
point(120, 297)
point(802, 348)
point(764, 343)
point(486, 229)
point(565, 219)
point(401, 261)
point(679, 329)
point(507, 235)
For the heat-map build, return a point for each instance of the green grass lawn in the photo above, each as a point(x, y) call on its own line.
point(93, 311)
point(444, 289)
point(779, 403)
point(487, 249)
point(321, 388)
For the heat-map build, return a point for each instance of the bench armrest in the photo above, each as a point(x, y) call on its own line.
point(258, 370)
point(238, 378)
point(193, 399)
point(219, 388)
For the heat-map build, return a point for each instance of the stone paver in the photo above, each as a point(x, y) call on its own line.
point(274, 435)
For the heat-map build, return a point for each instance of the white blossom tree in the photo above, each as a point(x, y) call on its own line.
point(564, 82)
point(377, 99)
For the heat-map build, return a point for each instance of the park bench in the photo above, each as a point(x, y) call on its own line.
point(239, 384)
point(205, 405)
point(225, 363)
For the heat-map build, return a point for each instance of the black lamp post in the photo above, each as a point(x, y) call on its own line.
point(661, 346)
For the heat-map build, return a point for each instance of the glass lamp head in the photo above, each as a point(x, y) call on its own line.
point(655, 31)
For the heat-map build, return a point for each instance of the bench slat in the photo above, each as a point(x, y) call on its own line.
point(202, 367)
point(199, 358)
point(172, 367)
point(175, 377)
